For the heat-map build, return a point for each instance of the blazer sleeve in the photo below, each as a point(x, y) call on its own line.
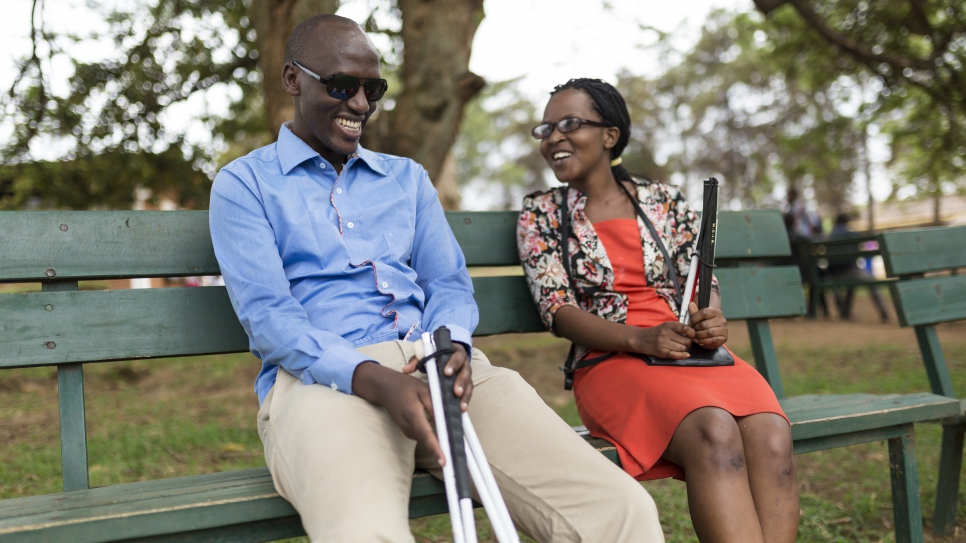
point(539, 252)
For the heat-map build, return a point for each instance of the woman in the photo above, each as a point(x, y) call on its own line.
point(721, 427)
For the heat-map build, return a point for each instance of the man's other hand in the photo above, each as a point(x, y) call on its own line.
point(459, 364)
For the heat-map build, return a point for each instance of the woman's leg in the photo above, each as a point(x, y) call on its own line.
point(771, 474)
point(708, 445)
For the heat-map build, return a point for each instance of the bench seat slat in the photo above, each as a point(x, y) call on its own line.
point(819, 415)
point(194, 504)
point(930, 300)
point(46, 328)
point(105, 244)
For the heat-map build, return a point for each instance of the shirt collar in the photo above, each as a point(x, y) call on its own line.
point(292, 151)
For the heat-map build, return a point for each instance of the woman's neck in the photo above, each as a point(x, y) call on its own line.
point(605, 198)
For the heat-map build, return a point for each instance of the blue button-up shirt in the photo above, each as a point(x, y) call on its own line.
point(318, 263)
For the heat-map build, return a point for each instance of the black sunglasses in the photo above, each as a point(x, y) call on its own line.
point(344, 87)
point(567, 124)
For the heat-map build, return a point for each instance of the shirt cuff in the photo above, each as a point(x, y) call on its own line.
point(335, 369)
point(461, 335)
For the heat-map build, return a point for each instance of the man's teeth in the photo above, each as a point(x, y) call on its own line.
point(561, 154)
point(351, 125)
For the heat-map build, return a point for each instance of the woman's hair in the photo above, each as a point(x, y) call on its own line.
point(610, 105)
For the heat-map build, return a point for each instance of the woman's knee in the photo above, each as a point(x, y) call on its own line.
point(768, 442)
point(712, 438)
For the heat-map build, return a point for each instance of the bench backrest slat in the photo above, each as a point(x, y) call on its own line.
point(930, 300)
point(505, 306)
point(923, 250)
point(751, 234)
point(47, 328)
point(43, 245)
point(761, 293)
point(488, 238)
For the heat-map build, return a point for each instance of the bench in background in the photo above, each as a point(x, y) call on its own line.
point(929, 292)
point(66, 328)
point(819, 256)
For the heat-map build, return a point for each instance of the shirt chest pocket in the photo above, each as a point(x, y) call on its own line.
point(399, 245)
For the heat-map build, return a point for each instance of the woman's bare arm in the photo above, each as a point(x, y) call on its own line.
point(668, 340)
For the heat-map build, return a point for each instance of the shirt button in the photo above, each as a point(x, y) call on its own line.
point(385, 284)
point(351, 225)
point(322, 165)
point(334, 386)
point(338, 191)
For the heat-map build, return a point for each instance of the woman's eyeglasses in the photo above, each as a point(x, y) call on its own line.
point(344, 87)
point(568, 124)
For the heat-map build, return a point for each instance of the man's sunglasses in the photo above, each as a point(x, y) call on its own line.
point(344, 87)
point(568, 124)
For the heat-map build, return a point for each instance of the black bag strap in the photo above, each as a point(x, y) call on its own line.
point(660, 244)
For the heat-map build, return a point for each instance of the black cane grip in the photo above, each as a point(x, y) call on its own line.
point(452, 413)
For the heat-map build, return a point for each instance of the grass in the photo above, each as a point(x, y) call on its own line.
point(153, 419)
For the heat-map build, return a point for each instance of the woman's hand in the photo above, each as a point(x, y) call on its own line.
point(710, 326)
point(666, 340)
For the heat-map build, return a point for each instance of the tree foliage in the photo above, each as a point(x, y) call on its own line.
point(917, 49)
point(745, 103)
point(122, 125)
point(113, 125)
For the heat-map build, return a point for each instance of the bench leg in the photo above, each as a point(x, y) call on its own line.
point(906, 507)
point(947, 491)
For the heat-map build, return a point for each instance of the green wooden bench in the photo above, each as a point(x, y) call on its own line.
point(66, 328)
point(820, 255)
point(929, 292)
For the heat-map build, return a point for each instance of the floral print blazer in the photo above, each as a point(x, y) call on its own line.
point(538, 245)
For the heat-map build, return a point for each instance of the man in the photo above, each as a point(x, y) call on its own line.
point(336, 259)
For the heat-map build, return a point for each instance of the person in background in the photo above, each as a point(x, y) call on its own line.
point(804, 222)
point(721, 428)
point(851, 270)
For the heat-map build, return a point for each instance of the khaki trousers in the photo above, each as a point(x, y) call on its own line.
point(347, 468)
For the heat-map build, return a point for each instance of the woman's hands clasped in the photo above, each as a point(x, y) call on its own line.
point(708, 328)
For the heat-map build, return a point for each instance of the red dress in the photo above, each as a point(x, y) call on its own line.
point(638, 407)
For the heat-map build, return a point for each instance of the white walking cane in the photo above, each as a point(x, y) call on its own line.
point(461, 447)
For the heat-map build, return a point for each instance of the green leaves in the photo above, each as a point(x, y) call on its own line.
point(119, 125)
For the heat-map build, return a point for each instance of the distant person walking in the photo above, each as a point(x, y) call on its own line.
point(804, 222)
point(841, 230)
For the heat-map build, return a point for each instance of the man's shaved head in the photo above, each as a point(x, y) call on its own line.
point(301, 38)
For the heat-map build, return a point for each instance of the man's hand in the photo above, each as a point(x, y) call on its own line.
point(404, 397)
point(407, 399)
point(458, 364)
point(710, 326)
point(667, 340)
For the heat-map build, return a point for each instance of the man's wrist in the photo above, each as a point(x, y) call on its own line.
point(367, 380)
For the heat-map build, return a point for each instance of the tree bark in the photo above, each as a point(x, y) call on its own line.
point(436, 81)
point(274, 20)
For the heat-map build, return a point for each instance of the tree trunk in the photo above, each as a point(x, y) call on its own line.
point(437, 38)
point(274, 20)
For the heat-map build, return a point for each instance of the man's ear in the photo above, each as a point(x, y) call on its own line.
point(611, 135)
point(290, 79)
